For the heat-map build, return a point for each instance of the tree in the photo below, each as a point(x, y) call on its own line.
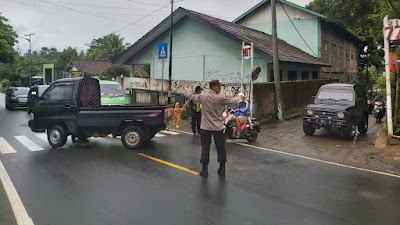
point(66, 56)
point(106, 47)
point(8, 38)
point(113, 72)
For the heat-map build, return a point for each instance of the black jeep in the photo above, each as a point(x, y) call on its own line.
point(341, 107)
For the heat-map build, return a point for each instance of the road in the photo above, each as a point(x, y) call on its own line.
point(101, 182)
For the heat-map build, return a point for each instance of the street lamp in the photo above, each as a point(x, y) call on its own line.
point(30, 54)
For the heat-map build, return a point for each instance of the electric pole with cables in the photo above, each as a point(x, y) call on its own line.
point(277, 77)
point(30, 55)
point(170, 54)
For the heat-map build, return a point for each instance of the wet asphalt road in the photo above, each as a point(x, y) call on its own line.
point(103, 183)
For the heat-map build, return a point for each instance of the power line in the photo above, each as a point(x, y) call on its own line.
point(297, 30)
point(140, 18)
point(87, 13)
point(144, 3)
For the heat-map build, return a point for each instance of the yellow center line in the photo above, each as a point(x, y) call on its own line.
point(170, 164)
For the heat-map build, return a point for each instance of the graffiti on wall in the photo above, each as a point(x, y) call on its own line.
point(229, 90)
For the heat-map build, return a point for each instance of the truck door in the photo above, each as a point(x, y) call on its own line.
point(57, 104)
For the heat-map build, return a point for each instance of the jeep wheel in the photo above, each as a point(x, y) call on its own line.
point(308, 129)
point(132, 137)
point(57, 136)
point(350, 131)
point(363, 126)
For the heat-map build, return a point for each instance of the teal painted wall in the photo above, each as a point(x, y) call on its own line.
point(199, 54)
point(308, 28)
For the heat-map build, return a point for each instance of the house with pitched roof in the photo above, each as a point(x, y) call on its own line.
point(206, 48)
point(310, 32)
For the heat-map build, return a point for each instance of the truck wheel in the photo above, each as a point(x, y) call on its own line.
point(132, 137)
point(57, 136)
point(363, 126)
point(253, 137)
point(350, 131)
point(308, 129)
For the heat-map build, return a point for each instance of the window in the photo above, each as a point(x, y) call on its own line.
point(292, 75)
point(315, 75)
point(341, 55)
point(304, 75)
point(347, 55)
point(325, 50)
point(333, 51)
point(60, 93)
point(271, 75)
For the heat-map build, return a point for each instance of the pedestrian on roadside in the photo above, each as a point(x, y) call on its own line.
point(195, 111)
point(177, 115)
point(211, 123)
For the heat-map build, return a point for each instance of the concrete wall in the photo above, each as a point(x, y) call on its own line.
point(294, 94)
point(307, 24)
point(199, 54)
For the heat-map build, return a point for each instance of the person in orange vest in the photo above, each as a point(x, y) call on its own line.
point(177, 115)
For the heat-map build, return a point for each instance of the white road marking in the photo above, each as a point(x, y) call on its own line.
point(159, 135)
point(28, 143)
point(181, 131)
point(322, 161)
point(169, 132)
point(20, 213)
point(309, 158)
point(6, 148)
point(42, 136)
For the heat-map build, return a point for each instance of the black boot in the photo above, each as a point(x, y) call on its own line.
point(221, 170)
point(204, 171)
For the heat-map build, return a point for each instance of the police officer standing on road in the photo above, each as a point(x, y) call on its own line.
point(195, 111)
point(211, 125)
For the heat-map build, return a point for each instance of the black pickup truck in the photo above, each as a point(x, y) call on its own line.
point(341, 107)
point(72, 106)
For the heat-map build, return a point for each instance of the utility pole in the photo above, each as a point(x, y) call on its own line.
point(388, 87)
point(170, 54)
point(277, 77)
point(30, 55)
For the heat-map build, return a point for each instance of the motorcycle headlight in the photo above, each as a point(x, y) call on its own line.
point(224, 114)
point(309, 112)
point(340, 115)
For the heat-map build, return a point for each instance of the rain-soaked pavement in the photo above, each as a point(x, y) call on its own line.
point(103, 183)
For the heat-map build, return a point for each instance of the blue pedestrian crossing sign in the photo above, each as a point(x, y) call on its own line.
point(162, 50)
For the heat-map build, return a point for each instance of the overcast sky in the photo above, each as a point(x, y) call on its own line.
point(75, 23)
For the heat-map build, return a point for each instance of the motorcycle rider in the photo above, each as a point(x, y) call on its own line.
point(242, 112)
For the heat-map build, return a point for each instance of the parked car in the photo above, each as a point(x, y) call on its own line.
point(16, 97)
point(341, 107)
point(112, 93)
point(33, 96)
point(72, 106)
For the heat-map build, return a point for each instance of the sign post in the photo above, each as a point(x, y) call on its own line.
point(162, 54)
point(391, 32)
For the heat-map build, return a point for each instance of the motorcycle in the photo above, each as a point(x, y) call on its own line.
point(379, 111)
point(248, 130)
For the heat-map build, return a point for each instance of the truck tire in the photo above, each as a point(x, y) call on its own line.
point(132, 137)
point(363, 126)
point(308, 129)
point(350, 131)
point(57, 136)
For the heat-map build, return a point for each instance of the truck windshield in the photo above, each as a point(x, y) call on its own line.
point(335, 95)
point(111, 90)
